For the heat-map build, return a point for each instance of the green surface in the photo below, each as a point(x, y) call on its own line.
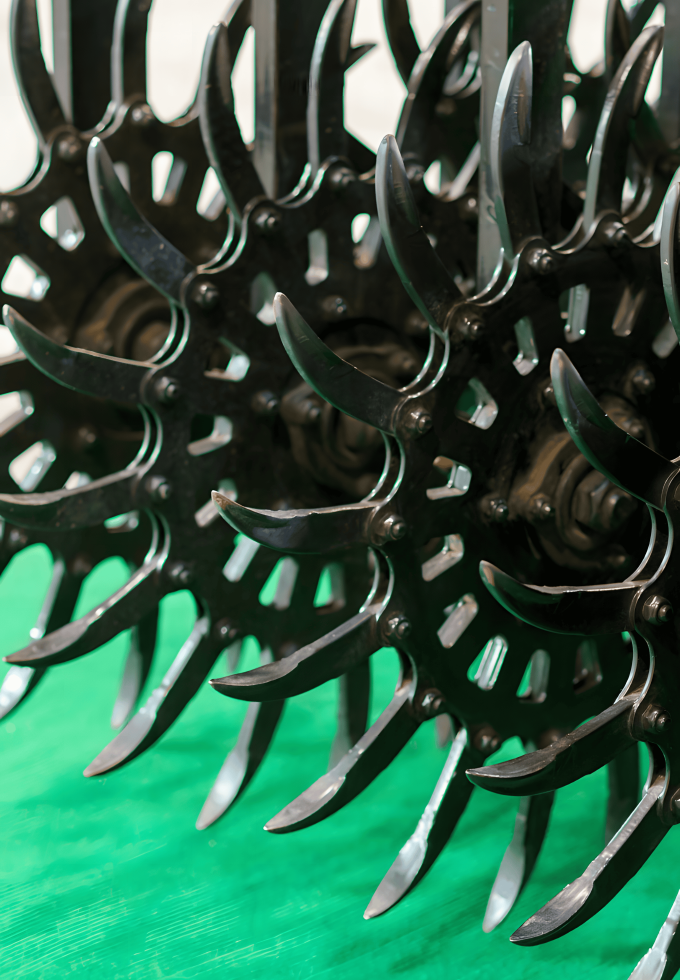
point(107, 878)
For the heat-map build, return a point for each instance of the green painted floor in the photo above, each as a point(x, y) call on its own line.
point(108, 878)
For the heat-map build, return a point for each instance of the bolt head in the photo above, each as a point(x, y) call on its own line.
point(341, 177)
point(224, 632)
point(205, 295)
point(615, 234)
point(167, 390)
point(69, 148)
point(431, 703)
point(268, 221)
point(498, 510)
point(17, 538)
point(398, 627)
point(335, 307)
point(158, 488)
point(393, 528)
point(9, 214)
point(415, 172)
point(657, 610)
point(265, 403)
point(418, 422)
point(180, 573)
point(142, 115)
point(644, 381)
point(542, 261)
point(541, 508)
point(655, 719)
point(469, 324)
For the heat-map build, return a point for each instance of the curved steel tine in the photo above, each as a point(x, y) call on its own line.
point(340, 383)
point(331, 57)
point(181, 682)
point(35, 85)
point(607, 167)
point(137, 667)
point(237, 17)
point(17, 684)
point(128, 52)
point(420, 269)
point(400, 37)
point(81, 370)
point(353, 705)
point(662, 961)
point(328, 657)
point(604, 877)
point(428, 74)
point(243, 761)
point(510, 153)
point(531, 825)
point(68, 510)
point(615, 453)
point(590, 610)
point(580, 752)
point(298, 531)
point(151, 255)
point(624, 789)
point(228, 155)
point(669, 246)
point(120, 611)
point(438, 822)
point(57, 609)
point(374, 751)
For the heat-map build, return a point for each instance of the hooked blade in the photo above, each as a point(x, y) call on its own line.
point(438, 822)
point(128, 52)
point(35, 84)
point(604, 877)
point(120, 611)
point(299, 532)
point(577, 754)
point(151, 255)
point(186, 674)
point(374, 751)
point(137, 667)
point(68, 510)
point(328, 657)
point(344, 386)
point(228, 155)
point(243, 761)
point(624, 460)
point(420, 269)
point(589, 610)
point(80, 370)
point(518, 861)
point(400, 36)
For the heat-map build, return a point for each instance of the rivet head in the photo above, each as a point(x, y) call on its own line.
point(179, 573)
point(487, 740)
point(205, 295)
point(167, 390)
point(158, 488)
point(418, 422)
point(267, 220)
point(341, 177)
point(540, 508)
point(142, 115)
point(644, 381)
point(398, 627)
point(265, 403)
point(224, 631)
point(469, 325)
point(615, 234)
point(542, 261)
point(431, 703)
point(656, 610)
point(9, 214)
point(655, 719)
point(496, 509)
point(334, 307)
point(69, 148)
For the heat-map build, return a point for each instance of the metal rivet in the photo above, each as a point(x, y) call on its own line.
point(469, 324)
point(205, 295)
point(431, 703)
point(9, 214)
point(69, 148)
point(142, 115)
point(398, 626)
point(540, 508)
point(266, 403)
point(615, 234)
point(224, 632)
point(180, 573)
point(158, 488)
point(657, 610)
point(644, 381)
point(267, 220)
point(335, 307)
point(341, 177)
point(655, 719)
point(496, 509)
point(542, 261)
point(418, 422)
point(167, 390)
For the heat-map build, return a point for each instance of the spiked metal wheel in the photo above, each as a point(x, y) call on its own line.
point(178, 384)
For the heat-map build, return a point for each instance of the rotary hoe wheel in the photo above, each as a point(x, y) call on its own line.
point(362, 411)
